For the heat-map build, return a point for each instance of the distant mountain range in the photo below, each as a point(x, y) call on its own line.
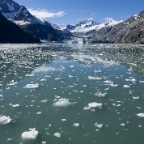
point(89, 25)
point(111, 31)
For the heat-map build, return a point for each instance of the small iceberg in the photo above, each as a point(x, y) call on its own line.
point(5, 120)
point(30, 135)
point(32, 86)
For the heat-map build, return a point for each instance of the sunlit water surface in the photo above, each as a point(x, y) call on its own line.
point(72, 94)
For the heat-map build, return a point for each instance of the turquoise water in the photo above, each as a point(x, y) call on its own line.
point(72, 94)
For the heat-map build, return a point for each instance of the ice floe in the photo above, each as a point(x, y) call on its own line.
point(94, 78)
point(30, 135)
point(140, 115)
point(32, 86)
point(5, 119)
point(44, 101)
point(16, 105)
point(126, 86)
point(62, 102)
point(57, 134)
point(98, 125)
point(12, 83)
point(135, 97)
point(76, 124)
point(99, 94)
point(44, 69)
point(93, 105)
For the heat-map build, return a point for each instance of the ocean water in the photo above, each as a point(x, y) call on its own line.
point(71, 94)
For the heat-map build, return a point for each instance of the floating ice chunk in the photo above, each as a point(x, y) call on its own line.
point(62, 102)
point(94, 78)
point(44, 69)
point(93, 105)
point(32, 86)
point(29, 75)
point(43, 80)
point(76, 124)
point(59, 78)
point(108, 81)
point(114, 85)
point(63, 120)
point(141, 81)
point(97, 71)
point(136, 98)
point(16, 105)
point(126, 86)
point(5, 120)
point(122, 124)
point(70, 76)
point(12, 83)
point(140, 115)
point(30, 135)
point(43, 142)
point(38, 113)
point(133, 64)
point(1, 96)
point(44, 101)
point(131, 80)
point(99, 94)
point(98, 125)
point(57, 134)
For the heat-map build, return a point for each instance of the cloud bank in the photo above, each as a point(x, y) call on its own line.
point(44, 14)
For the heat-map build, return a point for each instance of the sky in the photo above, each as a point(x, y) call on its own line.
point(65, 12)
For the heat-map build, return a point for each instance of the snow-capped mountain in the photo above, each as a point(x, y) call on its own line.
point(16, 13)
point(90, 25)
point(24, 19)
point(128, 31)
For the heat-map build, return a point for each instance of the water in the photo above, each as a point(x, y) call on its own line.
point(72, 94)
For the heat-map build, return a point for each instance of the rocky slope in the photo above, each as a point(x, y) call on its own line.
point(129, 31)
point(11, 33)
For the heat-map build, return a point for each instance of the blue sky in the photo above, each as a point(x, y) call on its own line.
point(73, 11)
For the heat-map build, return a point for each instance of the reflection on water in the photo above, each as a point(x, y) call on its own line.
point(72, 93)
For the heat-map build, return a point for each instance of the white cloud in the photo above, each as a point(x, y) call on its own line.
point(43, 13)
